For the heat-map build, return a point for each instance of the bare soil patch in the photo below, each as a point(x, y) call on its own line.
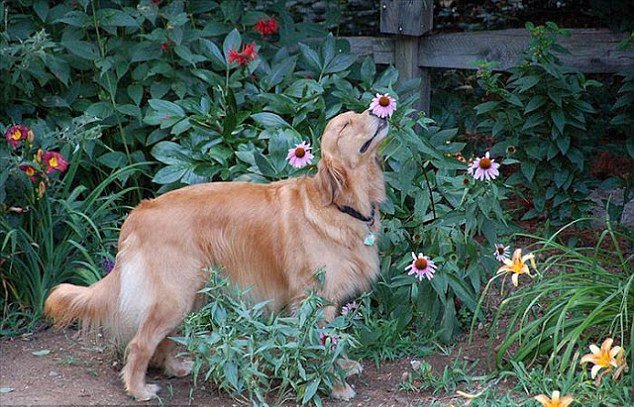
point(76, 371)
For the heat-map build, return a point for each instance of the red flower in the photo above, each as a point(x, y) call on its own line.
point(16, 133)
point(267, 27)
point(247, 54)
point(235, 56)
point(249, 51)
point(54, 161)
point(166, 46)
point(29, 170)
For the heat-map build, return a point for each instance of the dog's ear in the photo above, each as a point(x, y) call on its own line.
point(332, 179)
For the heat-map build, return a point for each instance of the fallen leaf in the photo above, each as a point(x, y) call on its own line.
point(469, 396)
point(42, 352)
point(6, 389)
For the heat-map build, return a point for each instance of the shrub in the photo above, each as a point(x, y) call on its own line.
point(212, 95)
point(540, 113)
point(240, 347)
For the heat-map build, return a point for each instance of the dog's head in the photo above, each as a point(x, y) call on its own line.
point(349, 167)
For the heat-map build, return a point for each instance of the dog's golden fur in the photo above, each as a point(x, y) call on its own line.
point(270, 237)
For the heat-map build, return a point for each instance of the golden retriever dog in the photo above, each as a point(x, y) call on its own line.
point(270, 237)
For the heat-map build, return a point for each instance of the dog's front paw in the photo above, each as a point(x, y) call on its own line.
point(343, 391)
point(147, 392)
point(351, 367)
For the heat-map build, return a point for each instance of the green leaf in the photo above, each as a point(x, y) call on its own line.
point(270, 120)
point(311, 58)
point(231, 373)
point(114, 159)
point(559, 119)
point(340, 62)
point(214, 29)
point(233, 40)
point(75, 19)
point(533, 120)
point(462, 291)
point(311, 390)
point(135, 91)
point(115, 18)
point(528, 169)
point(58, 67)
point(101, 110)
point(535, 103)
point(41, 9)
point(280, 71)
point(563, 143)
point(214, 52)
point(486, 107)
point(167, 107)
point(82, 49)
point(129, 110)
point(264, 165)
point(368, 70)
point(171, 173)
point(169, 152)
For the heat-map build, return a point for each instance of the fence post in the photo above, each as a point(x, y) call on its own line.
point(409, 20)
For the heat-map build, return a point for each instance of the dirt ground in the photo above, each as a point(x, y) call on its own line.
point(54, 367)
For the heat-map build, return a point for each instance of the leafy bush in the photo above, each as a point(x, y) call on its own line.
point(240, 347)
point(214, 97)
point(540, 114)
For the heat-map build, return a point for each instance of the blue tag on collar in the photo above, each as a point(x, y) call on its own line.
point(369, 239)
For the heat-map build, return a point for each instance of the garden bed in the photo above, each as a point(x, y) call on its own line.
point(80, 372)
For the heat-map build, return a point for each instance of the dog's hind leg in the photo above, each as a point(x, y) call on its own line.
point(151, 333)
point(165, 357)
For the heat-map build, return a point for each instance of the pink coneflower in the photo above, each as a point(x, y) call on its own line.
point(267, 26)
point(484, 168)
point(383, 105)
point(349, 307)
point(422, 266)
point(54, 161)
point(501, 252)
point(16, 134)
point(300, 155)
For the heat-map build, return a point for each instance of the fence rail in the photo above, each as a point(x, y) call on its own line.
point(591, 51)
point(414, 51)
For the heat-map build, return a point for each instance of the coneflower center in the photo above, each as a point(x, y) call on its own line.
point(500, 250)
point(300, 152)
point(384, 101)
point(421, 264)
point(485, 163)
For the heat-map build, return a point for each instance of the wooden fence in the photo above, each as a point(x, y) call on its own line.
point(413, 51)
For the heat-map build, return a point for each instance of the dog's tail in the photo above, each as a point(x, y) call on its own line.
point(92, 307)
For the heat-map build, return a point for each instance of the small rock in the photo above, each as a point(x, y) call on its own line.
point(53, 373)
